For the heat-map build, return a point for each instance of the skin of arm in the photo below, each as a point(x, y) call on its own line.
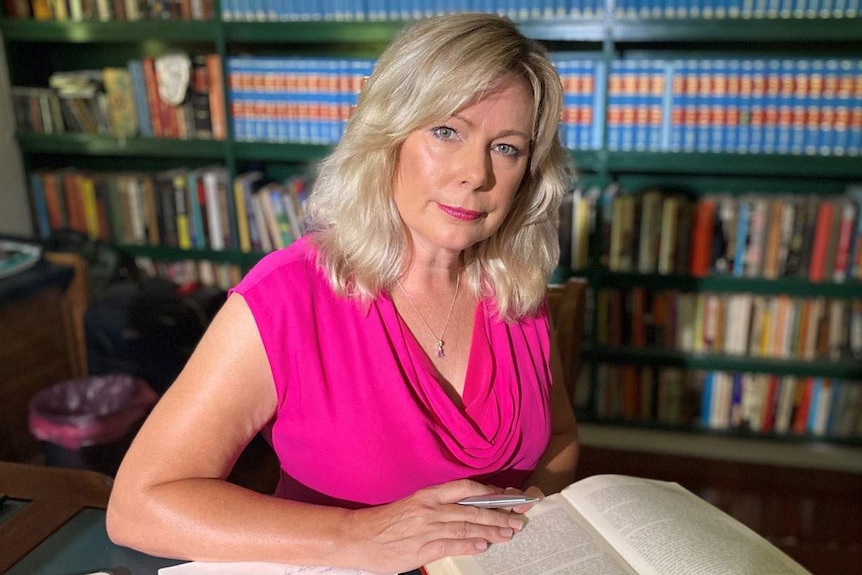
point(170, 497)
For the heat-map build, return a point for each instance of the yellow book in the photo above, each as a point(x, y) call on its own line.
point(91, 209)
point(181, 205)
point(122, 115)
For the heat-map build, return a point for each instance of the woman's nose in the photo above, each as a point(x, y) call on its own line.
point(477, 170)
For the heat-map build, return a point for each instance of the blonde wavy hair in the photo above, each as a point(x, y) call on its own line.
point(430, 71)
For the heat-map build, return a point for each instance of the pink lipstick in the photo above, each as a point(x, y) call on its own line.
point(460, 213)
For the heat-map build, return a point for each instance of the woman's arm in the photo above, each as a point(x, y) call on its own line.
point(556, 469)
point(170, 497)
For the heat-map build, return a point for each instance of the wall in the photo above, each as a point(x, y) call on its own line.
point(14, 211)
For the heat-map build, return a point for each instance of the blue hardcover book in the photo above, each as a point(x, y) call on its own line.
point(196, 227)
point(613, 117)
point(743, 215)
point(812, 106)
point(784, 128)
point(598, 104)
point(142, 103)
point(666, 105)
point(657, 105)
point(746, 105)
point(732, 114)
point(706, 400)
point(703, 106)
point(771, 98)
point(40, 207)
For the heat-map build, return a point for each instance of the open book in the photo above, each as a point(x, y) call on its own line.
point(619, 525)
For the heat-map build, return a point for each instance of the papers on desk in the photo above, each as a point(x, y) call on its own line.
point(253, 568)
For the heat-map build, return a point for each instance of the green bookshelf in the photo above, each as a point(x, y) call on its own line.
point(65, 45)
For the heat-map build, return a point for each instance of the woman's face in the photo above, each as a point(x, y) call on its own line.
point(456, 179)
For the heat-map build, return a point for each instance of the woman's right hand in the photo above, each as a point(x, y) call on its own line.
point(428, 525)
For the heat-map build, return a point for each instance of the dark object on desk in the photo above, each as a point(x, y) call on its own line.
point(106, 264)
point(148, 329)
point(88, 423)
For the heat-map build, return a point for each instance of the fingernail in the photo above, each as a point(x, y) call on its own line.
point(506, 532)
point(481, 545)
point(516, 524)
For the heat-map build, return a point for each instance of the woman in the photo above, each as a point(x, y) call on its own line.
point(398, 357)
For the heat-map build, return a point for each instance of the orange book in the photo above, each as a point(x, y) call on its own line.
point(700, 258)
point(152, 87)
point(75, 215)
point(822, 229)
point(773, 239)
point(54, 201)
point(801, 405)
point(218, 115)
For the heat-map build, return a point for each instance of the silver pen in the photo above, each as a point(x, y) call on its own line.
point(495, 501)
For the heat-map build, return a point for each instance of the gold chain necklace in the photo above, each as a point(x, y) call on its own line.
point(438, 341)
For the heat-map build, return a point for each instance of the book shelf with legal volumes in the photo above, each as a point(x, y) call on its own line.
point(716, 213)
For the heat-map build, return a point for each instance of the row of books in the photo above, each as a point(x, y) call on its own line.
point(221, 275)
point(109, 10)
point(769, 326)
point(741, 105)
point(309, 10)
point(184, 208)
point(750, 105)
point(810, 236)
point(175, 208)
point(535, 9)
point(174, 96)
point(305, 100)
point(728, 401)
point(376, 10)
point(735, 9)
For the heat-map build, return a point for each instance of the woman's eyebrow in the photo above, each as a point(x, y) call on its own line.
point(502, 134)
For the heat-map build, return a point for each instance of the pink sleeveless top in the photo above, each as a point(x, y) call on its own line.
point(361, 418)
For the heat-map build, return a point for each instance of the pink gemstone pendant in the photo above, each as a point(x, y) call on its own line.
point(439, 348)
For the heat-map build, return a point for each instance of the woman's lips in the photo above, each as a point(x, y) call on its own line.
point(461, 213)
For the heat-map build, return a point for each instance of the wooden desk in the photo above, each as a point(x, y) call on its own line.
point(54, 523)
point(40, 324)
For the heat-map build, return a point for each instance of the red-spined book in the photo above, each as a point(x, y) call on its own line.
point(218, 116)
point(846, 221)
point(700, 256)
point(822, 227)
point(801, 405)
point(152, 86)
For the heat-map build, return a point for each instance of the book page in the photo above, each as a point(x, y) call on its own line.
point(662, 528)
point(555, 540)
point(253, 568)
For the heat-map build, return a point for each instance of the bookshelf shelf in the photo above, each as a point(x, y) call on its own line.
point(312, 32)
point(90, 145)
point(760, 31)
point(284, 152)
point(841, 369)
point(19, 30)
point(733, 164)
point(725, 284)
point(244, 259)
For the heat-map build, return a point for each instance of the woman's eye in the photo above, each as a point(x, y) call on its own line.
point(508, 150)
point(444, 132)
